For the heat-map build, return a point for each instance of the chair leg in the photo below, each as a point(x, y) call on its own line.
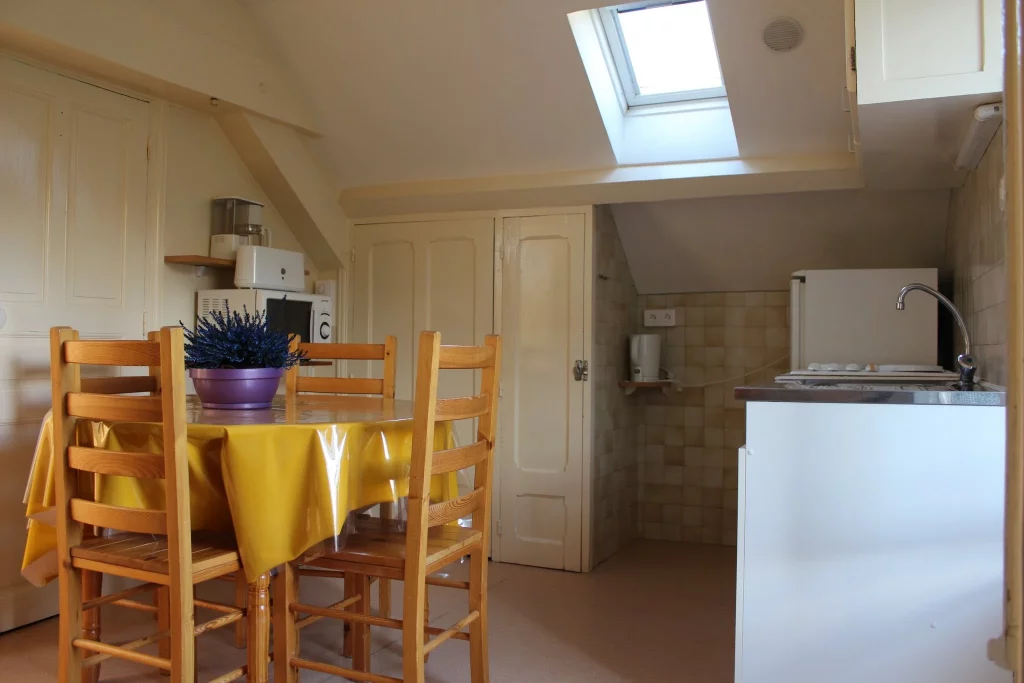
point(183, 638)
point(162, 597)
point(387, 511)
point(478, 660)
point(92, 587)
point(286, 636)
point(350, 591)
point(69, 657)
point(426, 620)
point(414, 632)
point(241, 595)
point(361, 632)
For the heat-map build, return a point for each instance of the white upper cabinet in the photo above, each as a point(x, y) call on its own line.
point(920, 49)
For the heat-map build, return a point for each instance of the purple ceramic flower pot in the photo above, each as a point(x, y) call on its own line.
point(236, 388)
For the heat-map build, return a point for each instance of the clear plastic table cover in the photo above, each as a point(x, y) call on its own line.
point(282, 480)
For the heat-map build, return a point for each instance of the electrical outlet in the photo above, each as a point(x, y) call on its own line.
point(659, 317)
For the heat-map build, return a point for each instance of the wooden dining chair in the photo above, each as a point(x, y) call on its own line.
point(383, 386)
point(156, 547)
point(431, 540)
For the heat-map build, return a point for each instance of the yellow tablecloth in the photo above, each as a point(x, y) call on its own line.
point(282, 479)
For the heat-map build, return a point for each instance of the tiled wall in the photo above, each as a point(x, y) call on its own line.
point(689, 439)
point(616, 416)
point(976, 253)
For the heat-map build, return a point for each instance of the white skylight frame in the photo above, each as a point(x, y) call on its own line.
point(624, 66)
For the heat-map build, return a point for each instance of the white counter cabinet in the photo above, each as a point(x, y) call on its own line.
point(870, 543)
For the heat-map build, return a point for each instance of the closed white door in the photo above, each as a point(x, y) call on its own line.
point(425, 275)
point(540, 439)
point(73, 179)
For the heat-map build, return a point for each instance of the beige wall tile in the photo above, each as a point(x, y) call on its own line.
point(725, 341)
point(776, 316)
point(976, 252)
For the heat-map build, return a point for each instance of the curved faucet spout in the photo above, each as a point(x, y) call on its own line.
point(964, 361)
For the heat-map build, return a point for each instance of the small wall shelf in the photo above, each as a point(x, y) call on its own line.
point(201, 263)
point(630, 387)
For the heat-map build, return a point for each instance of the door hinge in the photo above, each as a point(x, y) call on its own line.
point(144, 330)
point(352, 255)
point(501, 389)
point(853, 58)
point(581, 371)
point(499, 526)
point(147, 148)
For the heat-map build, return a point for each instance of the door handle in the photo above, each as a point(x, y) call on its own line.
point(581, 370)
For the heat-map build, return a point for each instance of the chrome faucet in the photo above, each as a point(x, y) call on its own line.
point(964, 362)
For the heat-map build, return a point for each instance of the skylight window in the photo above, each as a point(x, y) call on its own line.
point(664, 51)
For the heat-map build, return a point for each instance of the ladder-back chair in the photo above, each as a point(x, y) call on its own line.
point(430, 541)
point(156, 547)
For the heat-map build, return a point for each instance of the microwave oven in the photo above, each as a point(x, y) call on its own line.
point(310, 316)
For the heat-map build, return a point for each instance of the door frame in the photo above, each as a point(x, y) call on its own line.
point(1013, 98)
point(588, 340)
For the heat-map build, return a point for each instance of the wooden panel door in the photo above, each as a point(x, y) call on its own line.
point(541, 442)
point(423, 275)
point(73, 175)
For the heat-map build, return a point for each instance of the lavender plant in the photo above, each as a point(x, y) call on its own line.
point(235, 340)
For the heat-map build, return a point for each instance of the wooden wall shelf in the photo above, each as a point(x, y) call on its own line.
point(630, 387)
point(201, 263)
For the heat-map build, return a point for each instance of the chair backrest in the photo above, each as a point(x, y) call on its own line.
point(384, 386)
point(102, 399)
point(426, 462)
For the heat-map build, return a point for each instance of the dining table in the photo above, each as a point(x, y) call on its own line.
point(284, 480)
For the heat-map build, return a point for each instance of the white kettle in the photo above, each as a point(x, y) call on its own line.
point(644, 357)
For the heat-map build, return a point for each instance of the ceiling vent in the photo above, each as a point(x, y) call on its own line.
point(782, 35)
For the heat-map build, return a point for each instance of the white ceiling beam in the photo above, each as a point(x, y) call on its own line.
point(184, 51)
point(279, 160)
point(654, 182)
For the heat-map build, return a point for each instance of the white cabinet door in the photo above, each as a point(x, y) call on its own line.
point(73, 179)
point(540, 440)
point(918, 49)
point(870, 543)
point(424, 275)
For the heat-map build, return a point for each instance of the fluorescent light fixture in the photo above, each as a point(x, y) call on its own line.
point(983, 128)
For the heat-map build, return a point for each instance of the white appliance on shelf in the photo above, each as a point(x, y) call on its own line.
point(267, 268)
point(870, 543)
point(849, 317)
point(310, 316)
point(644, 357)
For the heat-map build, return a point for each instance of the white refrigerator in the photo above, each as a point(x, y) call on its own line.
point(850, 316)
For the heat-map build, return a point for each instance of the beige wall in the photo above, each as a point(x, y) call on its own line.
point(976, 254)
point(616, 416)
point(689, 439)
point(201, 165)
point(754, 243)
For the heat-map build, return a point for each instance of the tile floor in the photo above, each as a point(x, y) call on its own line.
point(656, 612)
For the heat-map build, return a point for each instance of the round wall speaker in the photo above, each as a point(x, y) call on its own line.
point(783, 35)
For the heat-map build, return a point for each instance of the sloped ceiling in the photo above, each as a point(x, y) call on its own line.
point(756, 242)
point(414, 90)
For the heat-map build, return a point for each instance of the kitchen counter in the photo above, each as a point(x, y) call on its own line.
point(825, 391)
